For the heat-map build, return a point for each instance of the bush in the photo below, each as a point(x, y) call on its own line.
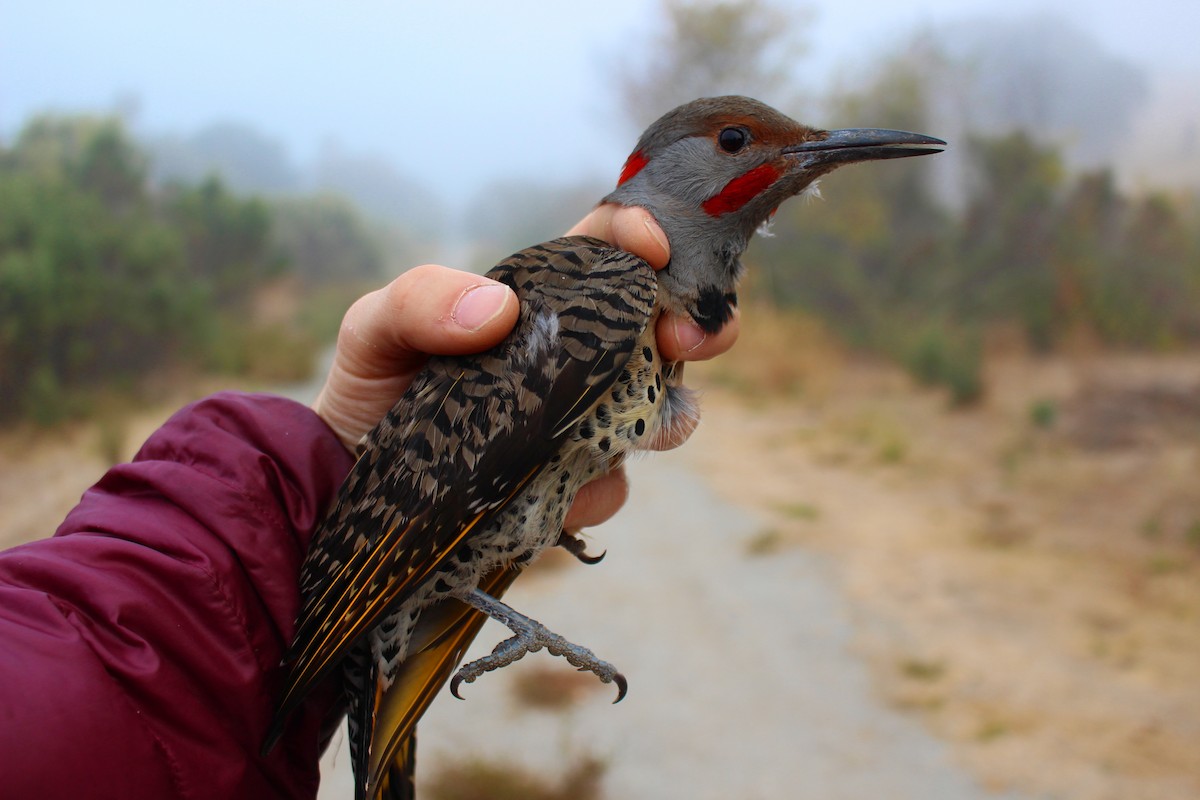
point(948, 357)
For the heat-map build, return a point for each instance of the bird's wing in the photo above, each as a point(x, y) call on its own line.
point(464, 441)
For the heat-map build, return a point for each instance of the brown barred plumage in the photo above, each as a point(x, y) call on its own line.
point(472, 472)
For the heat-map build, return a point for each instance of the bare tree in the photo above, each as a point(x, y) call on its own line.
point(714, 47)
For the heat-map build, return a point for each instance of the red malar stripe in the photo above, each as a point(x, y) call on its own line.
point(633, 165)
point(741, 190)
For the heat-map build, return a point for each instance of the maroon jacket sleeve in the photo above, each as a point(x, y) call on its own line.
point(139, 647)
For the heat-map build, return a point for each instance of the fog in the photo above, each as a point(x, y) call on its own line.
point(455, 96)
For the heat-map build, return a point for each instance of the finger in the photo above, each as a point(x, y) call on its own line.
point(427, 310)
point(634, 229)
point(387, 336)
point(628, 227)
point(598, 500)
point(681, 339)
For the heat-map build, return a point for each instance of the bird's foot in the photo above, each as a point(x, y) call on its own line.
point(530, 637)
point(577, 547)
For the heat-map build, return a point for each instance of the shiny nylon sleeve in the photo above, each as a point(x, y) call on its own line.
point(141, 643)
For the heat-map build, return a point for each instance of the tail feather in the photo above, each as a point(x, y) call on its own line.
point(398, 782)
point(359, 675)
point(443, 634)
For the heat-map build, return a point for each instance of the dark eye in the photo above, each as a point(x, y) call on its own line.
point(732, 139)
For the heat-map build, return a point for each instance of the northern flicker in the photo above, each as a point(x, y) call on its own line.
point(468, 478)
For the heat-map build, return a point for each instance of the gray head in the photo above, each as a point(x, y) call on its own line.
point(713, 170)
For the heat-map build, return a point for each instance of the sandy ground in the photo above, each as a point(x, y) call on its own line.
point(43, 474)
point(847, 592)
point(1028, 591)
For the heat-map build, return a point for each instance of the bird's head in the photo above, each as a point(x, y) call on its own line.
point(713, 170)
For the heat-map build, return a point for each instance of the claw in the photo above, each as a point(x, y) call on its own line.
point(617, 678)
point(576, 546)
point(622, 687)
point(530, 636)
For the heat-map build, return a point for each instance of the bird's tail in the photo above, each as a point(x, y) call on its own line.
point(399, 779)
point(443, 633)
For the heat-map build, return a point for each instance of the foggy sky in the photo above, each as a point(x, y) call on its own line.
point(455, 94)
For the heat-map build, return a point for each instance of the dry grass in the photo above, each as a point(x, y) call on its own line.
point(43, 473)
point(778, 354)
point(767, 541)
point(553, 688)
point(479, 779)
point(922, 669)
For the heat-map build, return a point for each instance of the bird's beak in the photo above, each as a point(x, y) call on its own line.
point(865, 144)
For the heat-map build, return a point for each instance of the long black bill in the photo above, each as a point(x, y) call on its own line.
point(866, 144)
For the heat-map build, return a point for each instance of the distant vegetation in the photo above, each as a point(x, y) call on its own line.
point(1056, 254)
point(119, 258)
point(105, 280)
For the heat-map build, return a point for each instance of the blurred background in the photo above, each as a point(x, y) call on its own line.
point(997, 345)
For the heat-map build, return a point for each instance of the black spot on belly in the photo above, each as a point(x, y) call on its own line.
point(648, 354)
point(605, 444)
point(650, 393)
point(585, 430)
point(639, 427)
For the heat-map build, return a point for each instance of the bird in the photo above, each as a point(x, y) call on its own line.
point(468, 478)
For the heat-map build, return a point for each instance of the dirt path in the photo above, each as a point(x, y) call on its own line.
point(1031, 596)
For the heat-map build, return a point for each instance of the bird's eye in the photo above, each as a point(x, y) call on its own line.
point(732, 139)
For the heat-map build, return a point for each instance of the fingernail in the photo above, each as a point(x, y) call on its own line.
point(688, 335)
point(656, 233)
point(479, 305)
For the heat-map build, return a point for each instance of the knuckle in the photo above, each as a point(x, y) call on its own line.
point(419, 276)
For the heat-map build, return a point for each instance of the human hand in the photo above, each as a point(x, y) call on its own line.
point(634, 229)
point(387, 336)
